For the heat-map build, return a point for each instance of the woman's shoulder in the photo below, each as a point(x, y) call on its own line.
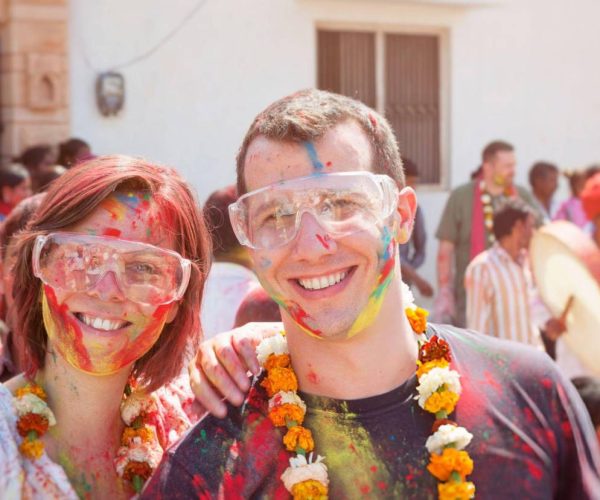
point(21, 477)
point(177, 411)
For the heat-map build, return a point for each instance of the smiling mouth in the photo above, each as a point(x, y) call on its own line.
point(103, 324)
point(322, 282)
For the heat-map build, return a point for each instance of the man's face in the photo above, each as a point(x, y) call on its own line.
point(503, 166)
point(548, 184)
point(525, 229)
point(323, 282)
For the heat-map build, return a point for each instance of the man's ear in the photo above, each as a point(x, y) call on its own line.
point(407, 209)
point(172, 312)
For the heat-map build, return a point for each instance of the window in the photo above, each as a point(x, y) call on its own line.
point(399, 75)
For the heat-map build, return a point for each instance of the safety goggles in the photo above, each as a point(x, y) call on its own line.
point(77, 262)
point(343, 203)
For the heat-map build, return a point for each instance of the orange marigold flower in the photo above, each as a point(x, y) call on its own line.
point(135, 468)
point(32, 422)
point(299, 436)
point(145, 433)
point(423, 368)
point(279, 414)
point(439, 401)
point(277, 360)
point(32, 449)
point(31, 389)
point(456, 491)
point(435, 348)
point(309, 489)
point(451, 460)
point(280, 379)
point(417, 319)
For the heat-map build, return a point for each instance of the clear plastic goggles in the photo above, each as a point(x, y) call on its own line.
point(77, 262)
point(343, 203)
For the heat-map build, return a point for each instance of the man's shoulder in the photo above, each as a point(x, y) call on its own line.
point(230, 456)
point(481, 353)
point(464, 191)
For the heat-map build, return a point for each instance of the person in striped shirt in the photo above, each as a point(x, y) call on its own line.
point(502, 299)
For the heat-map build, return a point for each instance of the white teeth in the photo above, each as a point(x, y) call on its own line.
point(322, 282)
point(102, 324)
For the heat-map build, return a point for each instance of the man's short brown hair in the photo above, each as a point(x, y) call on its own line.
point(309, 114)
point(493, 148)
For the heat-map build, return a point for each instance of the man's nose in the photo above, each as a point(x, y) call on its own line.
point(107, 288)
point(313, 239)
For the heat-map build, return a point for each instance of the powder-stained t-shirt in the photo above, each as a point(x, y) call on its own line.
point(532, 437)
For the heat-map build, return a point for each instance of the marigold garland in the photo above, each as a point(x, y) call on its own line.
point(439, 391)
point(136, 459)
point(34, 418)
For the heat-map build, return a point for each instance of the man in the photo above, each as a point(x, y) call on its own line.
point(502, 299)
point(590, 199)
point(230, 278)
point(324, 234)
point(543, 179)
point(466, 227)
point(412, 254)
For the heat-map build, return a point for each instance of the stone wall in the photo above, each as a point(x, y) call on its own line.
point(34, 95)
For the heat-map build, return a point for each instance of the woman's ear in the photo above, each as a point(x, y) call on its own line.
point(172, 312)
point(407, 208)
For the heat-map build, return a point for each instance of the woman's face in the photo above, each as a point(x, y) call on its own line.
point(101, 331)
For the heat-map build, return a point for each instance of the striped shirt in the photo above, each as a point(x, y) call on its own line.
point(501, 297)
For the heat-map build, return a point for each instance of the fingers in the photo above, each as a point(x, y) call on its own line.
point(204, 392)
point(214, 378)
point(248, 337)
point(245, 348)
point(235, 368)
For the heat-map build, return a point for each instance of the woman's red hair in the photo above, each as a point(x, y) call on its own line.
point(73, 197)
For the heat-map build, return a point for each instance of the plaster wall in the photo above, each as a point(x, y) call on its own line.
point(520, 70)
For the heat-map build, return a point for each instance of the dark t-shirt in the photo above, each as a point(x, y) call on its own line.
point(532, 437)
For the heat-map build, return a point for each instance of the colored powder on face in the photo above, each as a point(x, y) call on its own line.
point(115, 208)
point(61, 329)
point(387, 261)
point(328, 164)
point(264, 263)
point(299, 315)
point(324, 240)
point(131, 200)
point(312, 377)
point(111, 231)
point(312, 154)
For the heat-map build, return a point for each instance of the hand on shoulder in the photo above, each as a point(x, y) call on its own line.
point(220, 369)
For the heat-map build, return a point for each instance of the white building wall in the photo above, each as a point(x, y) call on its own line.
point(522, 70)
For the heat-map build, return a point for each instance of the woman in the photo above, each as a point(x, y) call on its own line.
point(9, 229)
point(73, 151)
point(15, 185)
point(108, 284)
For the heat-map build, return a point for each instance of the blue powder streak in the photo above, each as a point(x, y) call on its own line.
point(312, 154)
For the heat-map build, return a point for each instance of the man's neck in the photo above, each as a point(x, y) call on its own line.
point(493, 188)
point(373, 362)
point(544, 201)
point(511, 247)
